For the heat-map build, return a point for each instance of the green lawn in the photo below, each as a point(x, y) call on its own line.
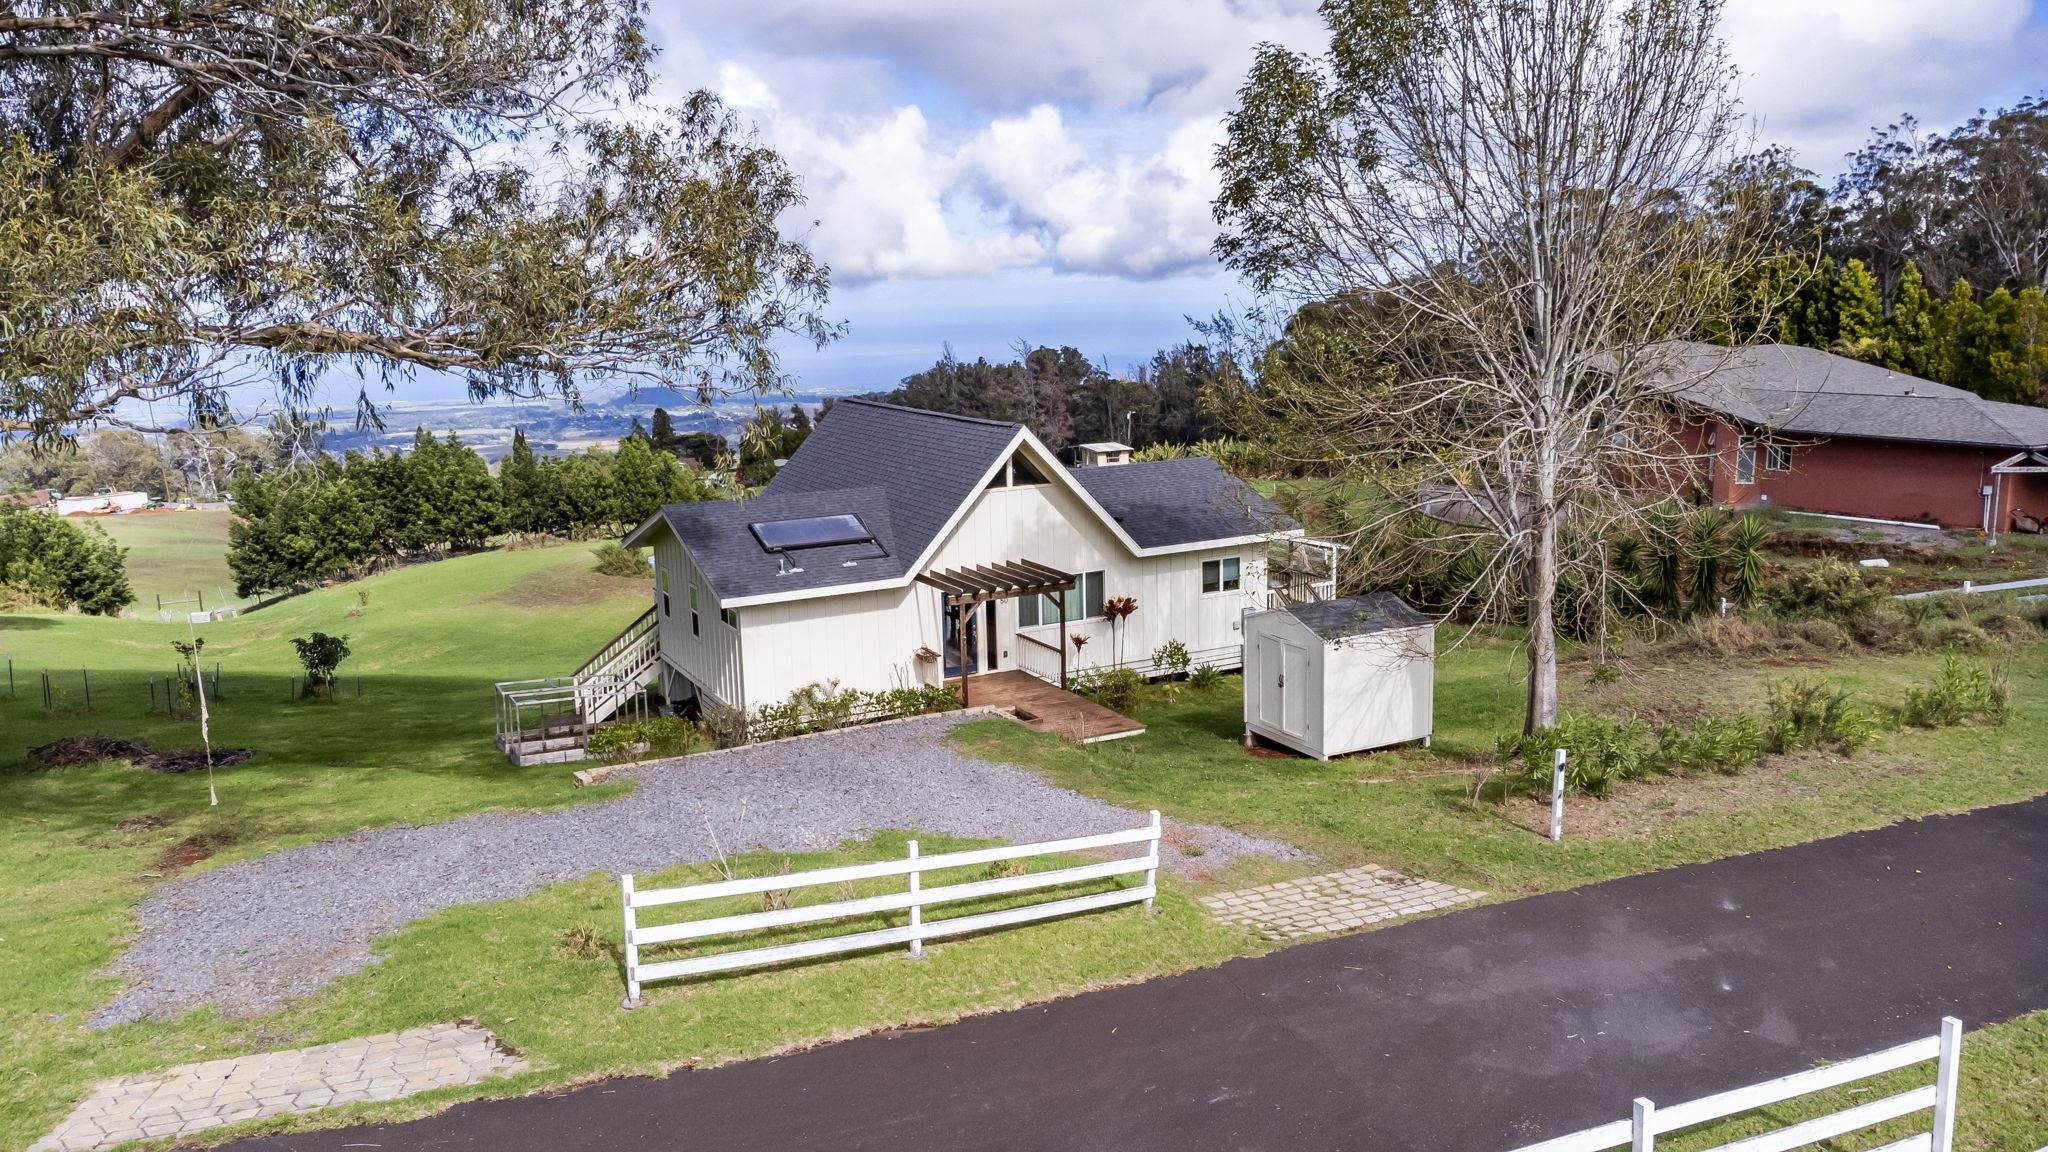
point(174, 555)
point(415, 747)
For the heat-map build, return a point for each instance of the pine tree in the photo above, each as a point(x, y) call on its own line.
point(1995, 353)
point(1912, 341)
point(663, 434)
point(1956, 333)
point(1858, 313)
point(519, 486)
point(637, 482)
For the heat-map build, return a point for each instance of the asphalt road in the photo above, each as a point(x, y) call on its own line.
point(1474, 1031)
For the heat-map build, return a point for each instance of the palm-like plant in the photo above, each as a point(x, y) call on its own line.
point(1116, 608)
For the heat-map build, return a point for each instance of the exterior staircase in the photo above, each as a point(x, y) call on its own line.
point(549, 721)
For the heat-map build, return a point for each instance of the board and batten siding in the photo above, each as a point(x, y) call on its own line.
point(1048, 524)
point(864, 640)
point(710, 657)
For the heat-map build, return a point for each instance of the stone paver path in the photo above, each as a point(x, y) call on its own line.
point(192, 1097)
point(1333, 902)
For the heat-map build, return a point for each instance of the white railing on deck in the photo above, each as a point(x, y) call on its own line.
point(1640, 1133)
point(914, 900)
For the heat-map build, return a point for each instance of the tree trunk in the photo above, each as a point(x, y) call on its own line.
point(1541, 599)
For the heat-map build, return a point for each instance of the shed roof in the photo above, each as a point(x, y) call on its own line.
point(1808, 392)
point(1357, 615)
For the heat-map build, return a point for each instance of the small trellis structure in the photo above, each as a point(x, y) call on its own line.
point(547, 721)
point(968, 588)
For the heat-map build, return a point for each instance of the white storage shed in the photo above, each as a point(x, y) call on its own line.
point(1339, 676)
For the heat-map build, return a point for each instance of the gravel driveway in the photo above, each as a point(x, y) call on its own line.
point(244, 937)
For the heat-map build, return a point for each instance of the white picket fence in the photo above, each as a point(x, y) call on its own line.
point(914, 899)
point(1640, 1133)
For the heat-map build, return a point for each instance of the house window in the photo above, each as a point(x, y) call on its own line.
point(661, 578)
point(731, 617)
point(695, 628)
point(1777, 457)
point(1084, 602)
point(1745, 460)
point(1222, 575)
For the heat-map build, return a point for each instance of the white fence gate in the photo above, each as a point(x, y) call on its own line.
point(1650, 1121)
point(914, 899)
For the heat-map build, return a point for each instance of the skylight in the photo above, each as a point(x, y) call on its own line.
point(810, 532)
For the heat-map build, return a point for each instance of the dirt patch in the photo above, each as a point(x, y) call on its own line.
point(192, 849)
point(555, 589)
point(77, 751)
point(146, 823)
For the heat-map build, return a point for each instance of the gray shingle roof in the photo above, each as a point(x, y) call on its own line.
point(1808, 392)
point(1167, 502)
point(1357, 615)
point(904, 472)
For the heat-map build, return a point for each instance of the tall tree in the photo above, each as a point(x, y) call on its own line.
point(662, 432)
point(207, 193)
point(519, 486)
point(1512, 201)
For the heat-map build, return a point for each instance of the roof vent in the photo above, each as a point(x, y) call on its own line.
point(1102, 454)
point(1909, 391)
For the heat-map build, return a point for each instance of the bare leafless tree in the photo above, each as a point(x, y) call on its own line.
point(1491, 217)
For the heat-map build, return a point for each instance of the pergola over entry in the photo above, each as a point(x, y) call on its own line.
point(975, 584)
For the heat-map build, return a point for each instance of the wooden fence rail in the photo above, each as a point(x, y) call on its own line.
point(1639, 1133)
point(914, 900)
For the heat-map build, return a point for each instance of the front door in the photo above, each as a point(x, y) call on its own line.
point(954, 620)
point(988, 631)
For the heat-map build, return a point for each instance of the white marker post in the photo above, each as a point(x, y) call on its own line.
point(1557, 798)
point(916, 910)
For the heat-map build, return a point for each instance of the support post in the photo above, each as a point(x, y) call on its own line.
point(1061, 639)
point(1152, 854)
point(1641, 1138)
point(1947, 1067)
point(960, 638)
point(916, 910)
point(1557, 797)
point(632, 947)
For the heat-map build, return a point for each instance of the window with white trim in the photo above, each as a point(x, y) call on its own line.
point(661, 578)
point(696, 629)
point(1745, 460)
point(1084, 602)
point(731, 617)
point(1777, 457)
point(1226, 575)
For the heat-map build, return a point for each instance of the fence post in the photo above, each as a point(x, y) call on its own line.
point(1152, 853)
point(632, 947)
point(1946, 1069)
point(916, 909)
point(1641, 1139)
point(1557, 797)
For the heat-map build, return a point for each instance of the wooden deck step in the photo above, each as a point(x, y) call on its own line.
point(1050, 708)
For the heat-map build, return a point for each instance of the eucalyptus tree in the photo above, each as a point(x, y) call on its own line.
point(199, 194)
point(1496, 212)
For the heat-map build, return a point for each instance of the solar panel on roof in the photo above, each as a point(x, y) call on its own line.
point(810, 532)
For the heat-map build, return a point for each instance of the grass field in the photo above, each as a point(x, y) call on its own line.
point(415, 748)
point(173, 555)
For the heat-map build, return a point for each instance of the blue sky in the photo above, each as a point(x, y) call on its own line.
point(983, 173)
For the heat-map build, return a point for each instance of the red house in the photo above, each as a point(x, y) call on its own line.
point(1807, 430)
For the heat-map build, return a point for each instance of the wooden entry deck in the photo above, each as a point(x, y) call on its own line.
point(1049, 708)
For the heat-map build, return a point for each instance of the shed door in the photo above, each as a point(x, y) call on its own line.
point(1270, 670)
point(1294, 689)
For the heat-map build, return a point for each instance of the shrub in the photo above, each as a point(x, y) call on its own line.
point(1803, 713)
point(723, 726)
point(320, 654)
point(615, 560)
point(1824, 634)
point(1952, 634)
point(1600, 752)
point(825, 706)
point(1114, 688)
point(1830, 588)
point(663, 735)
point(1171, 658)
point(1958, 694)
point(48, 560)
point(1204, 676)
point(2006, 624)
point(1722, 743)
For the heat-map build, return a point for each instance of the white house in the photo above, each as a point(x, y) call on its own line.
point(899, 547)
